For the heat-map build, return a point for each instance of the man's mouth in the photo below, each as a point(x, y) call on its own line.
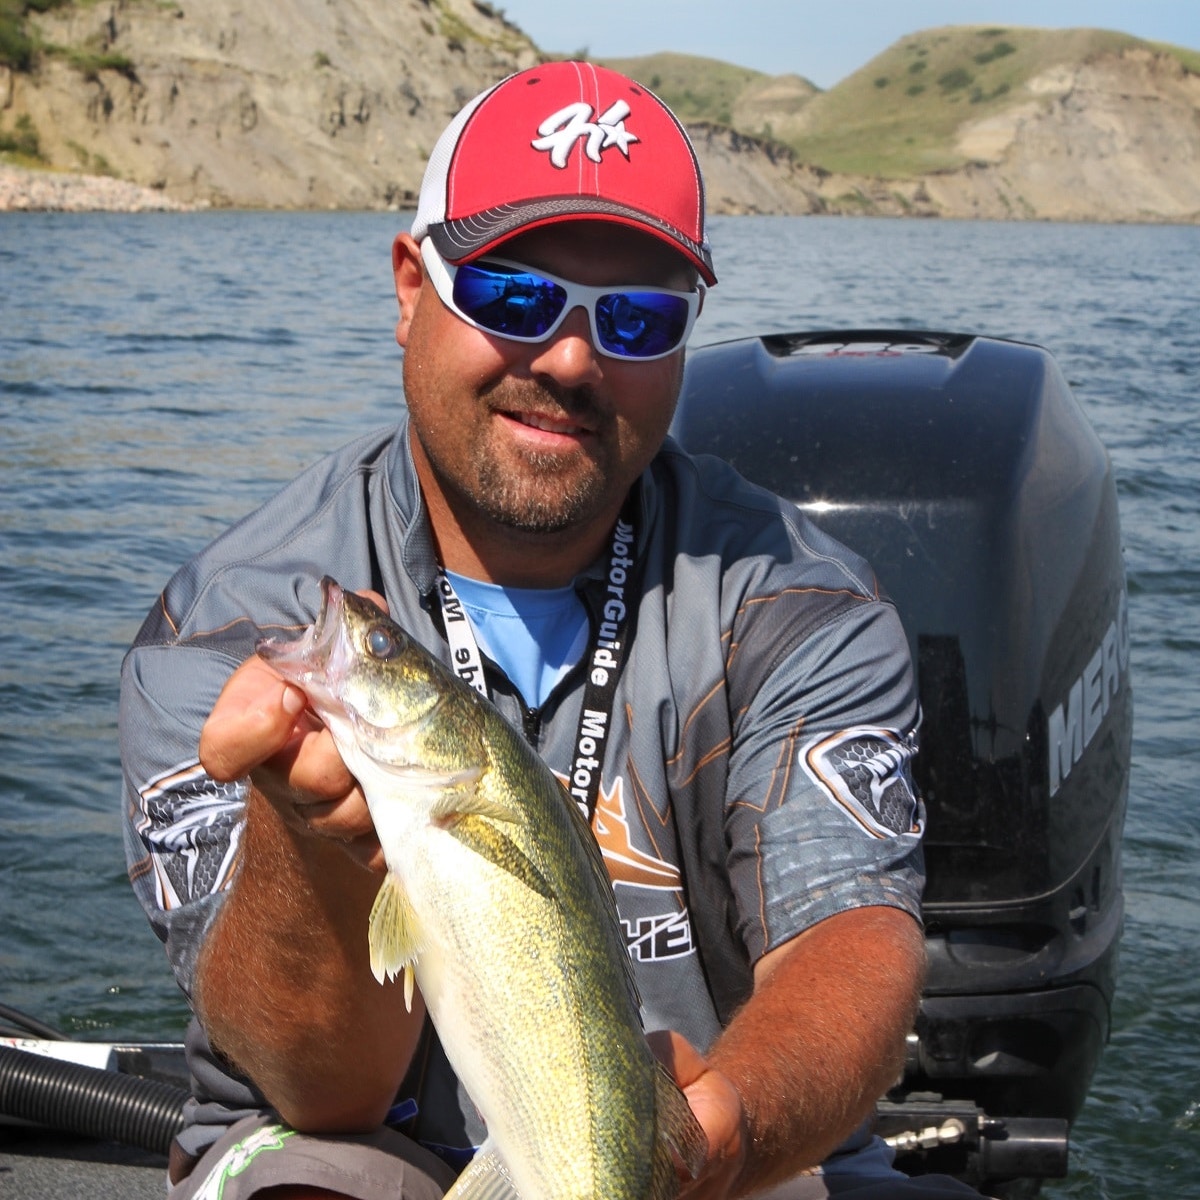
point(559, 425)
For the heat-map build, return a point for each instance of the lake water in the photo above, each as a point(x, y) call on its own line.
point(160, 374)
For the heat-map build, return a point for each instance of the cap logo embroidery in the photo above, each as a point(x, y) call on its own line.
point(560, 131)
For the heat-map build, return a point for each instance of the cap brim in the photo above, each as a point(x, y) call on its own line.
point(467, 238)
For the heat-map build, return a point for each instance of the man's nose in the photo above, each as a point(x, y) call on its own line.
point(569, 356)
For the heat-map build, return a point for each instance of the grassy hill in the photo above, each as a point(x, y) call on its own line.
point(698, 89)
point(899, 115)
point(1189, 58)
point(705, 89)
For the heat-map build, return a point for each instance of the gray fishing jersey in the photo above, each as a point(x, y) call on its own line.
point(753, 767)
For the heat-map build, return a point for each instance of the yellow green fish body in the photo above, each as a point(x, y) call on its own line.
point(497, 902)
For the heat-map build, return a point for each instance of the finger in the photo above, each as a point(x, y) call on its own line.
point(342, 814)
point(254, 718)
point(686, 1065)
point(363, 847)
point(307, 769)
point(678, 1055)
point(717, 1106)
point(345, 819)
point(374, 597)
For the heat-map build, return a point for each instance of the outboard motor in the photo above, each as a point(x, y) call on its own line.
point(964, 471)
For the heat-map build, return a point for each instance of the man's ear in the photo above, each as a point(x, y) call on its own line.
point(409, 274)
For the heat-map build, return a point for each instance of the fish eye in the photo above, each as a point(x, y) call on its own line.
point(381, 643)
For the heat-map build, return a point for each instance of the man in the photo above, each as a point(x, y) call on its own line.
point(769, 900)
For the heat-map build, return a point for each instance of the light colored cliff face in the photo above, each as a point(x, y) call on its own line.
point(1114, 139)
point(743, 175)
point(337, 104)
point(296, 103)
point(1117, 139)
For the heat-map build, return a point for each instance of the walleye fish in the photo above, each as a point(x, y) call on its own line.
point(497, 905)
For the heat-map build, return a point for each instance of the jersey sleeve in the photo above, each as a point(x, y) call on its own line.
point(821, 813)
point(181, 827)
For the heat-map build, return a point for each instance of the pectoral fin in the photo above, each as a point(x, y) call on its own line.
point(464, 800)
point(485, 1178)
point(394, 935)
point(501, 851)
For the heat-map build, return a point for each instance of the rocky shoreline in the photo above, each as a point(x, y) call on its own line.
point(23, 190)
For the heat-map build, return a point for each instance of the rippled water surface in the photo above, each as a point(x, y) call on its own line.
point(160, 374)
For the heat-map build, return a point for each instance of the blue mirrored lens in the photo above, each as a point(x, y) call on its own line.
point(516, 303)
point(641, 324)
point(511, 303)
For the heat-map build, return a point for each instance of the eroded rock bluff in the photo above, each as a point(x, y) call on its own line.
point(316, 104)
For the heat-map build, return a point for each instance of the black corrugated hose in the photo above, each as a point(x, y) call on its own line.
point(86, 1100)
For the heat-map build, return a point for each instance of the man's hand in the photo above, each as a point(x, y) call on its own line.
point(261, 727)
point(283, 983)
point(716, 1105)
point(257, 716)
point(805, 1058)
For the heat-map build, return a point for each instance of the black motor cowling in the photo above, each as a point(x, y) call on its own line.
point(962, 468)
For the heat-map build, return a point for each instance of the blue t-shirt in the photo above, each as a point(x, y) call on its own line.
point(536, 635)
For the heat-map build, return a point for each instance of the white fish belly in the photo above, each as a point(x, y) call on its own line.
point(508, 1014)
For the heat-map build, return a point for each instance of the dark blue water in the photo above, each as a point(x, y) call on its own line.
point(160, 374)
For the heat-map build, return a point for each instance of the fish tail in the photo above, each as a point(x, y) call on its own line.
point(485, 1178)
point(393, 935)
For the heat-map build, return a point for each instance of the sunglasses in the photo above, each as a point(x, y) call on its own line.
point(512, 301)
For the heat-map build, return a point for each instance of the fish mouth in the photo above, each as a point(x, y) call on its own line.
point(330, 662)
point(313, 660)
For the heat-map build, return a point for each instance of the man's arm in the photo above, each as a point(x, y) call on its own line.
point(804, 1060)
point(283, 983)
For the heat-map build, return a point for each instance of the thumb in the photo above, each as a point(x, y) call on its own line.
point(254, 717)
point(714, 1100)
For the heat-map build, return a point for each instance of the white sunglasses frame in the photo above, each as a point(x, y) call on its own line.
point(441, 274)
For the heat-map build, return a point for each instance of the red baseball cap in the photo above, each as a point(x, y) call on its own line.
point(556, 143)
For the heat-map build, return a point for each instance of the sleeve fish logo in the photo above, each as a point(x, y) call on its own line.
point(496, 904)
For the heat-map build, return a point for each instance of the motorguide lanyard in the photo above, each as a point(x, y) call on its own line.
point(464, 649)
point(606, 657)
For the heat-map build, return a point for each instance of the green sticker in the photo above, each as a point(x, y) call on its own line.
point(239, 1156)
